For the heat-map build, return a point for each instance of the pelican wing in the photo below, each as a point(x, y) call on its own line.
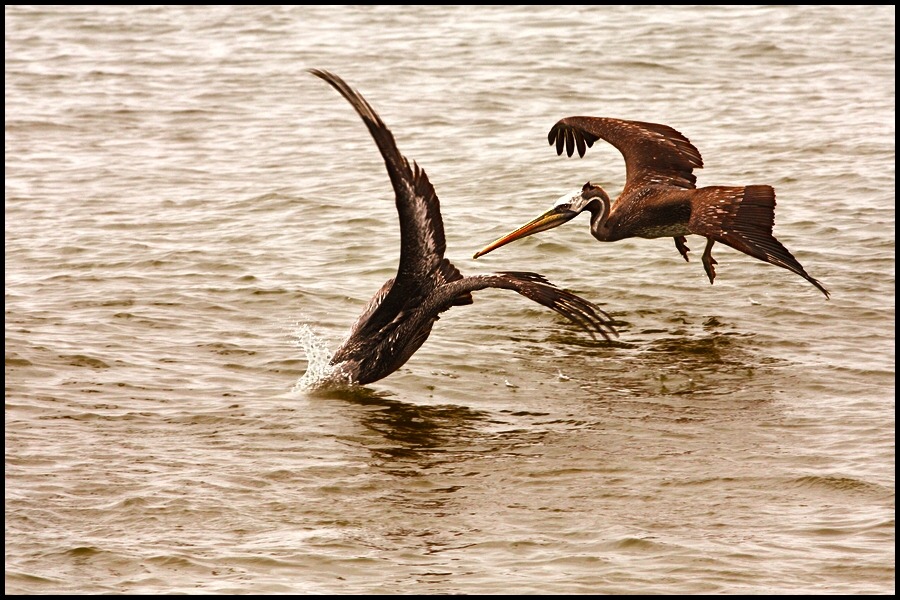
point(654, 153)
point(743, 218)
point(533, 286)
point(422, 244)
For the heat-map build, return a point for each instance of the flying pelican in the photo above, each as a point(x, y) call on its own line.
point(660, 198)
point(398, 319)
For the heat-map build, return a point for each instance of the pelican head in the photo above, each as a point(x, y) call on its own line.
point(590, 197)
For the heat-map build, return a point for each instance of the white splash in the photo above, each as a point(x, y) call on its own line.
point(319, 370)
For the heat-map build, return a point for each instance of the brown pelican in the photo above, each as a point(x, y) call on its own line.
point(660, 199)
point(399, 318)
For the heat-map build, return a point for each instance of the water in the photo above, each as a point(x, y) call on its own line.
point(187, 210)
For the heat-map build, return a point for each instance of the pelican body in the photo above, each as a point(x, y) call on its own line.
point(660, 198)
point(399, 318)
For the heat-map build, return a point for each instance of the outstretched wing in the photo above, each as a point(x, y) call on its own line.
point(422, 243)
point(654, 153)
point(743, 218)
point(533, 286)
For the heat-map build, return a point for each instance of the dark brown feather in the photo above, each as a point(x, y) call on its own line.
point(399, 318)
point(653, 153)
point(660, 196)
point(743, 218)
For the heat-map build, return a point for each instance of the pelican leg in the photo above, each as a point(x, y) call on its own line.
point(681, 244)
point(709, 261)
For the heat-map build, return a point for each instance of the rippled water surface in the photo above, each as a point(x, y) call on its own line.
point(192, 220)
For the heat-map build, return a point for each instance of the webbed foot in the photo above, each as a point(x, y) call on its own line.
point(709, 261)
point(681, 244)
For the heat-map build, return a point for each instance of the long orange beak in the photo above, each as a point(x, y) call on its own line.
point(554, 217)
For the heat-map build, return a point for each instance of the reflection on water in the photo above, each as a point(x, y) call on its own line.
point(425, 456)
point(413, 436)
point(709, 358)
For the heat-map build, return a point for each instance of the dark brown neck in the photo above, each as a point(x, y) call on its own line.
point(599, 208)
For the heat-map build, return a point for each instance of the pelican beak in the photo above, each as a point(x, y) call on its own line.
point(554, 217)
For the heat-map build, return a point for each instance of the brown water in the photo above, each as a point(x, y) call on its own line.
point(188, 213)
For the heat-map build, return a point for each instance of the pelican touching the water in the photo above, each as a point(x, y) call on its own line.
point(660, 198)
point(398, 319)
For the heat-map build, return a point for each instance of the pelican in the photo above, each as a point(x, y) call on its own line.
point(398, 319)
point(660, 198)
